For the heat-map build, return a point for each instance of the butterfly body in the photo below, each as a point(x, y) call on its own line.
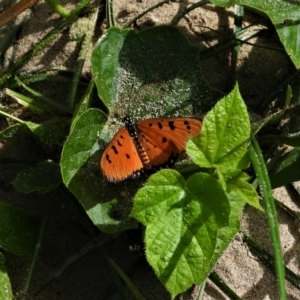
point(145, 145)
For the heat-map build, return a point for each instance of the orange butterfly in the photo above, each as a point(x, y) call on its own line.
point(145, 145)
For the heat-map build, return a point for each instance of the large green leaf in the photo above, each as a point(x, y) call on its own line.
point(81, 143)
point(142, 74)
point(183, 221)
point(81, 172)
point(285, 16)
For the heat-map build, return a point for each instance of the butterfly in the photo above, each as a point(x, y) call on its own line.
point(145, 145)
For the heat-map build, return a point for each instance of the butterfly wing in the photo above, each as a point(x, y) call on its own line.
point(162, 138)
point(120, 158)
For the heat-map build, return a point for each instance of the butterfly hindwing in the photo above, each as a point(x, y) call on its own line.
point(120, 158)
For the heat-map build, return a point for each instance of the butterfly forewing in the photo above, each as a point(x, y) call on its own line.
point(120, 158)
point(162, 138)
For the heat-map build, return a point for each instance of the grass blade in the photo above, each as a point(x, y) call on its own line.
point(271, 214)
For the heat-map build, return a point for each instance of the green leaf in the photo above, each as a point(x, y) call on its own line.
point(183, 222)
point(105, 66)
point(18, 230)
point(81, 173)
point(244, 190)
point(50, 132)
point(283, 14)
point(41, 179)
point(143, 70)
point(5, 286)
point(222, 143)
point(135, 291)
point(227, 233)
point(82, 143)
point(288, 169)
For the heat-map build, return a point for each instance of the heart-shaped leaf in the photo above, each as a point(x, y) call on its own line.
point(183, 221)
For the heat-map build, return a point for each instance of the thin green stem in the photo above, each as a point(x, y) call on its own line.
point(11, 117)
point(238, 17)
point(58, 8)
point(110, 13)
point(137, 294)
point(201, 290)
point(52, 103)
point(271, 214)
point(37, 249)
point(12, 70)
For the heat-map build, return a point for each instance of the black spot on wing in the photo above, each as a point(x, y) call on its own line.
point(107, 158)
point(187, 125)
point(171, 125)
point(114, 149)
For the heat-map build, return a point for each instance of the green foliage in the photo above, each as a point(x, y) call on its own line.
point(189, 217)
point(222, 145)
point(18, 230)
point(190, 223)
point(183, 221)
point(46, 174)
point(287, 169)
